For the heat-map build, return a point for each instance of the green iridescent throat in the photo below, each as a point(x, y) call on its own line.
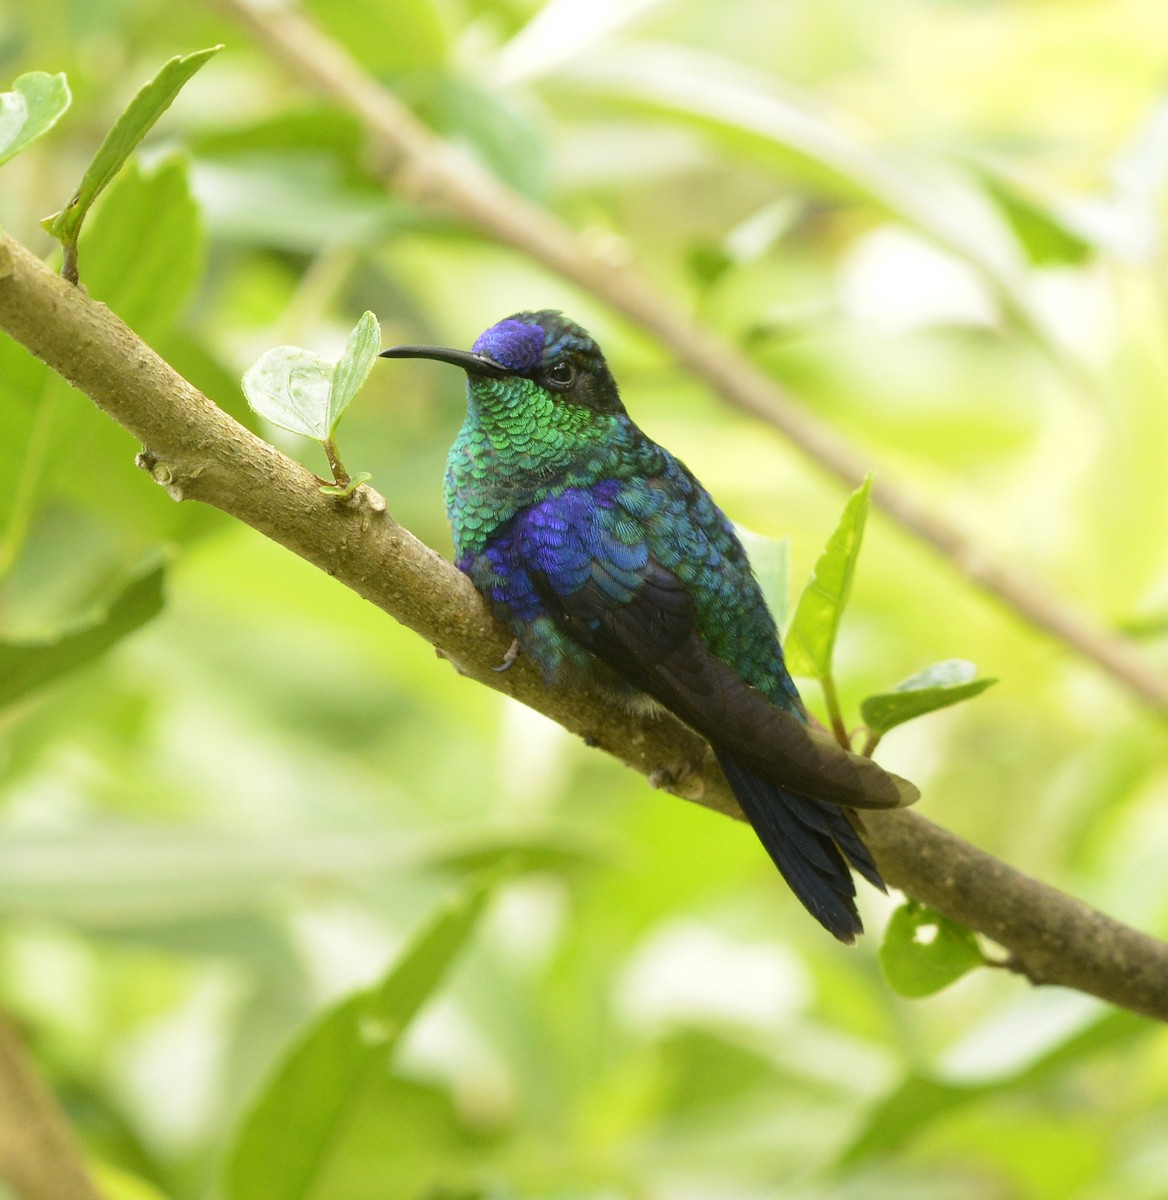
point(518, 444)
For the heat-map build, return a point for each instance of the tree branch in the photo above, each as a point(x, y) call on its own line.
point(39, 1157)
point(434, 174)
point(198, 452)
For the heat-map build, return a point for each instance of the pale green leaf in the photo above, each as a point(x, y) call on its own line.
point(31, 109)
point(811, 637)
point(354, 366)
point(288, 1136)
point(937, 686)
point(292, 388)
point(306, 394)
point(923, 951)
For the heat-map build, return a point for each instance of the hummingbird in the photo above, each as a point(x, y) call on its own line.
point(605, 557)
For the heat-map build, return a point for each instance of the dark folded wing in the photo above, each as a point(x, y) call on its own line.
point(649, 634)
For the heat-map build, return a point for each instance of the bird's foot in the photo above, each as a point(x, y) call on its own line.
point(509, 658)
point(681, 778)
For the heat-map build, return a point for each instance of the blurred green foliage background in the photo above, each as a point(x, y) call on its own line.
point(941, 223)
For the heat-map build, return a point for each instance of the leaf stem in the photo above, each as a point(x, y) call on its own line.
point(831, 698)
point(334, 459)
point(871, 741)
point(69, 261)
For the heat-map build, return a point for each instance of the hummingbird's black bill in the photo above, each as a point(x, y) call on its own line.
point(474, 364)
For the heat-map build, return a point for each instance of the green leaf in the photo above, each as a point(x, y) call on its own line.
point(345, 489)
point(354, 366)
point(151, 101)
point(151, 220)
point(292, 388)
point(1150, 625)
point(487, 119)
point(937, 686)
point(923, 951)
point(304, 393)
point(811, 638)
point(25, 666)
point(30, 109)
point(118, 1184)
point(1046, 238)
point(921, 1100)
point(286, 1140)
point(771, 560)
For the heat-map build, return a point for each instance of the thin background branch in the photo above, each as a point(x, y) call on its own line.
point(434, 174)
point(39, 1156)
point(198, 452)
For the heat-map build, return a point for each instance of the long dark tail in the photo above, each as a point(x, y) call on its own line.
point(812, 844)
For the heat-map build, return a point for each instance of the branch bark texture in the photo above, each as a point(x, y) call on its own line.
point(198, 452)
point(436, 175)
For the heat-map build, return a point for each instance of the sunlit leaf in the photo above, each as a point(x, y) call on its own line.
point(26, 666)
point(304, 393)
point(811, 638)
point(287, 1137)
point(923, 951)
point(353, 367)
point(937, 686)
point(31, 109)
point(150, 102)
point(292, 388)
point(1047, 238)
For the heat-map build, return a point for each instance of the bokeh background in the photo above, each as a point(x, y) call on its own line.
point(941, 224)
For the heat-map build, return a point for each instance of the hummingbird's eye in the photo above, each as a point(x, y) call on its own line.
point(561, 375)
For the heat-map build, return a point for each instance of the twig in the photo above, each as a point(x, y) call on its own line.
point(39, 1157)
point(198, 452)
point(434, 174)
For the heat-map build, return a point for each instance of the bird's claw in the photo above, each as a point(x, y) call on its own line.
point(508, 658)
